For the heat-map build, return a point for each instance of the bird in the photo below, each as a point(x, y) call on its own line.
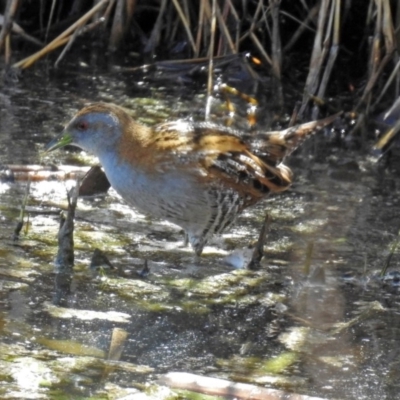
point(197, 175)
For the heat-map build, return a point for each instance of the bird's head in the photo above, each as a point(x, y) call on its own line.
point(95, 129)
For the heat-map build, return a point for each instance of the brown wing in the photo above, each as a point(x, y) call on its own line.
point(224, 157)
point(249, 163)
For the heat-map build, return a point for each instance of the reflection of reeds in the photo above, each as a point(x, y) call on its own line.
point(271, 29)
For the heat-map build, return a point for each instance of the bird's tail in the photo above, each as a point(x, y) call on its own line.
point(276, 145)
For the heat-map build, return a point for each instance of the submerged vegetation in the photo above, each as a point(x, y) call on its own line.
point(318, 316)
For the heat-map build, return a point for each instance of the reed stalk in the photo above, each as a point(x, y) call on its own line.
point(220, 28)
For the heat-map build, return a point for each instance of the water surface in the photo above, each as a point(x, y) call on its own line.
point(324, 325)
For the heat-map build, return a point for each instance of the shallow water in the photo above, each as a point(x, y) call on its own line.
point(328, 327)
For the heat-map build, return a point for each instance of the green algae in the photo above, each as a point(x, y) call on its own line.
point(71, 347)
point(280, 363)
point(189, 294)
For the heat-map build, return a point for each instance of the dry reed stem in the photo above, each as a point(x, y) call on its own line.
point(52, 9)
point(207, 25)
point(303, 25)
point(397, 26)
point(388, 29)
point(254, 37)
point(61, 39)
point(122, 17)
point(392, 132)
point(225, 31)
point(224, 24)
point(200, 28)
point(394, 75)
point(258, 252)
point(375, 55)
point(333, 52)
point(11, 10)
point(156, 31)
point(256, 14)
point(118, 25)
point(173, 36)
point(118, 340)
point(260, 48)
point(276, 51)
point(117, 344)
point(186, 24)
point(71, 40)
point(254, 22)
point(19, 31)
point(276, 39)
point(170, 25)
point(317, 57)
point(211, 59)
point(20, 222)
point(7, 52)
point(388, 136)
point(383, 26)
point(187, 13)
point(237, 20)
point(106, 14)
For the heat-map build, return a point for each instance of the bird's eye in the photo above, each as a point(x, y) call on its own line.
point(82, 125)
